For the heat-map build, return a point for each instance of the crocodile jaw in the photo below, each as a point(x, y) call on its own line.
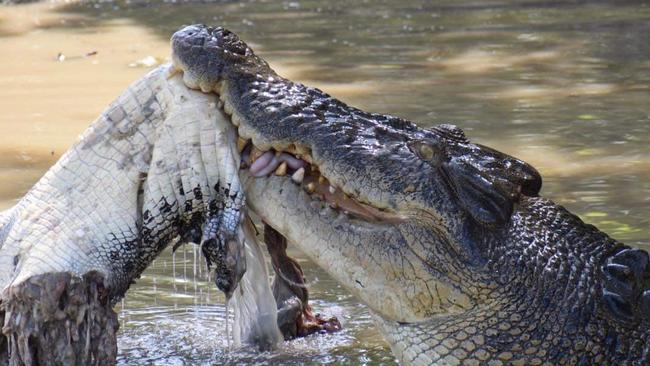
point(365, 257)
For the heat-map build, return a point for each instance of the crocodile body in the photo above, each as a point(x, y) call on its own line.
point(158, 166)
point(447, 241)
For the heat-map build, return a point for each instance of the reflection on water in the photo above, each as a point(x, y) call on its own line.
point(563, 85)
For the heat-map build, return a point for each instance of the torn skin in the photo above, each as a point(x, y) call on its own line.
point(295, 316)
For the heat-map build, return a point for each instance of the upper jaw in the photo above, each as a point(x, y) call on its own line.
point(330, 186)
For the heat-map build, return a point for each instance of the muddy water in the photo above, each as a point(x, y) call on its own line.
point(563, 85)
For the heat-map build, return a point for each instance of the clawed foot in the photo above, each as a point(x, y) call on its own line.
point(295, 317)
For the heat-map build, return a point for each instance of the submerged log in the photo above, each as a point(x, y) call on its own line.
point(58, 319)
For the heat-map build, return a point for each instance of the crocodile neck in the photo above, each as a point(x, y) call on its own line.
point(544, 307)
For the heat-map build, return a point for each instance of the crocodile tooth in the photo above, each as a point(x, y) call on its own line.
point(227, 108)
point(298, 175)
point(205, 87)
point(217, 87)
point(332, 189)
point(255, 153)
point(241, 144)
point(235, 119)
point(311, 187)
point(304, 153)
point(291, 149)
point(282, 169)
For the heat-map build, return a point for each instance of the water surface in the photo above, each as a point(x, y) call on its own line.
point(565, 85)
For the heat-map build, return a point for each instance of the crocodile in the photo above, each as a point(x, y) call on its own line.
point(158, 153)
point(447, 241)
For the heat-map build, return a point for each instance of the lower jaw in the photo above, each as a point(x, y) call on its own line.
point(320, 232)
point(278, 202)
point(303, 221)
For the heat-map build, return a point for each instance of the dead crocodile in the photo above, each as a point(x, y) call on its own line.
point(155, 165)
point(159, 166)
point(447, 241)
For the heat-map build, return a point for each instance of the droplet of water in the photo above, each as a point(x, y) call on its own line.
point(227, 325)
point(194, 254)
point(174, 269)
point(184, 262)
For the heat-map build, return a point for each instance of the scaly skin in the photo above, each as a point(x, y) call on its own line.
point(159, 166)
point(468, 265)
point(155, 166)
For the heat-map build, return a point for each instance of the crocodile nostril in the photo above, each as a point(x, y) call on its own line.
point(197, 41)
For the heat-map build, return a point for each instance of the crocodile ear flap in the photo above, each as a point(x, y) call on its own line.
point(481, 198)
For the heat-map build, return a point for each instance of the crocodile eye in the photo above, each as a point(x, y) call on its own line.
point(427, 152)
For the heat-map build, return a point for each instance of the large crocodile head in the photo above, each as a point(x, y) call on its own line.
point(444, 239)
